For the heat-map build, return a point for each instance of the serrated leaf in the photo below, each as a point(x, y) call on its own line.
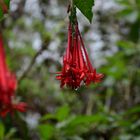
point(85, 6)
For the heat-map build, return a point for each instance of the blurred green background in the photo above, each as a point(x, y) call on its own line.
point(35, 33)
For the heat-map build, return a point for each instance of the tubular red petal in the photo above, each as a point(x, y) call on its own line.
point(20, 107)
point(8, 84)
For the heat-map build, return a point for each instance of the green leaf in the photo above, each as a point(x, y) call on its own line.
point(85, 6)
point(62, 113)
point(10, 133)
point(7, 2)
point(81, 123)
point(133, 110)
point(48, 117)
point(1, 14)
point(46, 131)
point(88, 119)
point(2, 130)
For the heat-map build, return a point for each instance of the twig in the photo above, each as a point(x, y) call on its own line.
point(25, 73)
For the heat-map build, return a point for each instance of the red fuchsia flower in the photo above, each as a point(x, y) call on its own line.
point(77, 68)
point(8, 86)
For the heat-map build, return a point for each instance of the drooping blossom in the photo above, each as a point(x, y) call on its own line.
point(77, 68)
point(8, 86)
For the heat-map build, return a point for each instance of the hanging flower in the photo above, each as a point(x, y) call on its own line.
point(77, 68)
point(8, 86)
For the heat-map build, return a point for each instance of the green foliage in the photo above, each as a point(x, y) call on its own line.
point(2, 131)
point(85, 6)
point(46, 131)
point(130, 13)
point(7, 3)
point(4, 135)
point(62, 113)
point(1, 13)
point(70, 125)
